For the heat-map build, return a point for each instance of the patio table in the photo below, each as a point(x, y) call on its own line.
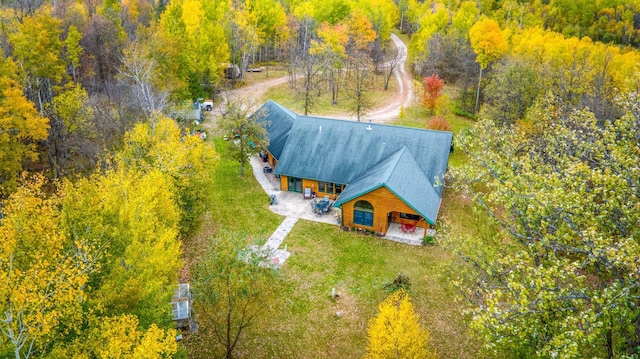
point(321, 207)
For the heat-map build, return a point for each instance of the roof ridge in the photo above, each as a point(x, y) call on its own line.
point(371, 123)
point(401, 152)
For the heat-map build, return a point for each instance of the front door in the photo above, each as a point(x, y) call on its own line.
point(295, 184)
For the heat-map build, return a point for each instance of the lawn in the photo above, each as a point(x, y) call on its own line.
point(289, 98)
point(324, 257)
point(357, 266)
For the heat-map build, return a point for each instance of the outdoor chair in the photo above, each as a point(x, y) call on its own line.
point(408, 228)
point(327, 209)
point(307, 193)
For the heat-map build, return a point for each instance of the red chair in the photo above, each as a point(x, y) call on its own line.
point(408, 228)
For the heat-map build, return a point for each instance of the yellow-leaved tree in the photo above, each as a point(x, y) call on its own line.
point(396, 332)
point(42, 272)
point(489, 44)
point(20, 127)
point(120, 337)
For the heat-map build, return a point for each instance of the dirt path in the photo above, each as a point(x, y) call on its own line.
point(391, 109)
point(386, 112)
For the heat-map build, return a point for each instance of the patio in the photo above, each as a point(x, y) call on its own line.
point(293, 204)
point(290, 204)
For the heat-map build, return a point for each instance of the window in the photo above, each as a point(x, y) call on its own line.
point(363, 213)
point(330, 188)
point(414, 217)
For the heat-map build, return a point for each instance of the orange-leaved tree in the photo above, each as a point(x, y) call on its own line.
point(396, 332)
point(432, 86)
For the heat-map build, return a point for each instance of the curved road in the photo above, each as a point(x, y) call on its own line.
point(386, 112)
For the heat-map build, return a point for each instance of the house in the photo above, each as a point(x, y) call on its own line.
point(377, 174)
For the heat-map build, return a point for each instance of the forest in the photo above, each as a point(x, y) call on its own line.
point(101, 180)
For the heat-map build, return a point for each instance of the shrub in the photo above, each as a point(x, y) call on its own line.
point(402, 281)
point(428, 240)
point(438, 123)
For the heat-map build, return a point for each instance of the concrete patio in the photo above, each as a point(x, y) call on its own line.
point(293, 204)
point(290, 204)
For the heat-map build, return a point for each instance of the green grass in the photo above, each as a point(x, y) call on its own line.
point(324, 257)
point(239, 203)
point(289, 98)
point(357, 266)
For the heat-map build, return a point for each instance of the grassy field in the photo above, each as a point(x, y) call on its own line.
point(358, 267)
point(324, 257)
point(289, 98)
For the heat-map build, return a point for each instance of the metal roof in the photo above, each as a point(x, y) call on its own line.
point(346, 152)
point(280, 120)
point(400, 174)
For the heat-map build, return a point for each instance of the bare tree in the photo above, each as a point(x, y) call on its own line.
point(359, 83)
point(391, 65)
point(137, 72)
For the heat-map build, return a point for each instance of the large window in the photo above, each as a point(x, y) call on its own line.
point(415, 217)
point(330, 188)
point(363, 213)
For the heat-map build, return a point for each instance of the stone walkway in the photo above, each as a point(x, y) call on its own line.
point(278, 256)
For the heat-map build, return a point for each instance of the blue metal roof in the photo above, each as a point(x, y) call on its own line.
point(347, 152)
point(400, 174)
point(280, 120)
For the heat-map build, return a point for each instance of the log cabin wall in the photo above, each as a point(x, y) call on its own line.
point(383, 202)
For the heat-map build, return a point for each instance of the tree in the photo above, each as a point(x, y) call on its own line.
point(438, 123)
point(464, 18)
point(271, 23)
point(73, 50)
point(396, 332)
point(197, 28)
point(242, 34)
point(42, 271)
point(134, 213)
point(489, 44)
point(138, 73)
point(233, 286)
point(432, 86)
point(247, 133)
point(430, 24)
point(119, 337)
point(186, 160)
point(21, 126)
point(361, 35)
point(513, 89)
point(37, 49)
point(391, 64)
point(559, 278)
point(383, 15)
point(331, 47)
point(442, 48)
point(70, 116)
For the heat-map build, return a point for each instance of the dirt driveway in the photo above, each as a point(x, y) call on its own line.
point(384, 113)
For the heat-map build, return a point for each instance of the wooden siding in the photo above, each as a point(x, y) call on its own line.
point(271, 160)
point(284, 185)
point(383, 202)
